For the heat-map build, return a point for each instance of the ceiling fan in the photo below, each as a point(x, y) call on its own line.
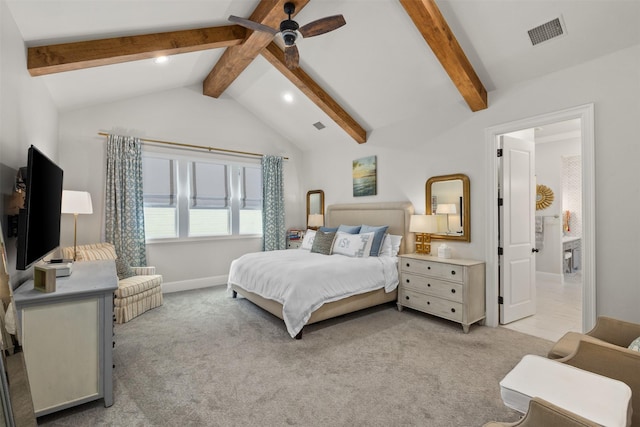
point(290, 29)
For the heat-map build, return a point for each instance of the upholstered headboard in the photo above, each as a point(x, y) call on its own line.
point(394, 214)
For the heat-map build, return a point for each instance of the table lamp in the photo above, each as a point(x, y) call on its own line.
point(315, 221)
point(446, 208)
point(76, 202)
point(423, 226)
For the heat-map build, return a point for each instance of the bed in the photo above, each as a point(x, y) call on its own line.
point(394, 214)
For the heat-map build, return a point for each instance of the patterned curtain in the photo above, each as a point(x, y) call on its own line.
point(274, 233)
point(124, 205)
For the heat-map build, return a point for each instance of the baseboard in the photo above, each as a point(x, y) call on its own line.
point(186, 285)
point(551, 277)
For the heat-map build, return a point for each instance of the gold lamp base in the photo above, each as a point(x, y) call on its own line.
point(423, 243)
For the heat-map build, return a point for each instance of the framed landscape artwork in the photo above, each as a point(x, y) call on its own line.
point(364, 176)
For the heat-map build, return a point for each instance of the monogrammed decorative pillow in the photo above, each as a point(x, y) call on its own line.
point(353, 245)
point(307, 240)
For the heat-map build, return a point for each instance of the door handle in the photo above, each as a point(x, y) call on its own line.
point(534, 250)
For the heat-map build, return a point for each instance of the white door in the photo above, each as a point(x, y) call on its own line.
point(517, 232)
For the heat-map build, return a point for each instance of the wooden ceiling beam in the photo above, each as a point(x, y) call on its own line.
point(315, 93)
point(57, 58)
point(235, 59)
point(427, 17)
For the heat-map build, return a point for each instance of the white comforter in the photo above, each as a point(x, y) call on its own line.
point(303, 281)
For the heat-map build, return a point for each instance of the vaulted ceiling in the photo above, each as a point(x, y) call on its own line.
point(394, 60)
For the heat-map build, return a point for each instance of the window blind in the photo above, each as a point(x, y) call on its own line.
point(252, 188)
point(158, 182)
point(209, 185)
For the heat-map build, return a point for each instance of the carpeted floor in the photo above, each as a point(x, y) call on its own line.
point(205, 359)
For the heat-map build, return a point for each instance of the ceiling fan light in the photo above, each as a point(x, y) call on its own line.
point(289, 37)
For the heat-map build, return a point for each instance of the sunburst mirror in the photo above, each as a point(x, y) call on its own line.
point(544, 197)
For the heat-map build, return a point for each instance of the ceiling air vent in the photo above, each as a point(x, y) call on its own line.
point(547, 31)
point(319, 125)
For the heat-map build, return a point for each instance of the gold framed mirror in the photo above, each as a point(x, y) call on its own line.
point(315, 209)
point(448, 197)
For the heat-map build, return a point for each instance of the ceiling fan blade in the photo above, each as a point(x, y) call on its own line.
point(321, 26)
point(255, 26)
point(291, 57)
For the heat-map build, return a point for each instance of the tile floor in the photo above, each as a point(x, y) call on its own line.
point(559, 309)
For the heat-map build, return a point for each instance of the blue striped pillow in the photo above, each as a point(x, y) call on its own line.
point(351, 229)
point(379, 233)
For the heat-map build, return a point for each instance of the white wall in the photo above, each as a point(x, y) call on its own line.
point(27, 116)
point(612, 83)
point(184, 116)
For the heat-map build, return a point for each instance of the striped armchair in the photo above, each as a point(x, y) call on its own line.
point(135, 294)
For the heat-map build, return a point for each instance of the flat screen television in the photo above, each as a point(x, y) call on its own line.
point(39, 221)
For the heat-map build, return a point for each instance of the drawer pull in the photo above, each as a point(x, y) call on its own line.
point(428, 302)
point(407, 297)
point(453, 310)
point(408, 265)
point(453, 291)
point(453, 272)
point(428, 285)
point(408, 281)
point(428, 267)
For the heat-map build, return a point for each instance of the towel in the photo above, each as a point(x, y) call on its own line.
point(539, 233)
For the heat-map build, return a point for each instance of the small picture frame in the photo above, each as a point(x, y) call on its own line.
point(44, 279)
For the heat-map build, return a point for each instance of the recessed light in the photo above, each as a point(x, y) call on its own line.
point(161, 59)
point(288, 97)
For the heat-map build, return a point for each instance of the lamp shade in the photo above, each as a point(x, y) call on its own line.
point(446, 208)
point(315, 220)
point(76, 202)
point(423, 224)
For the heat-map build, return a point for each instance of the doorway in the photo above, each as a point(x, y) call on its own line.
point(556, 227)
point(585, 115)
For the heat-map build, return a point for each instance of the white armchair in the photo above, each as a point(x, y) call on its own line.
point(139, 292)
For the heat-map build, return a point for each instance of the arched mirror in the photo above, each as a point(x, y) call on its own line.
point(448, 198)
point(315, 209)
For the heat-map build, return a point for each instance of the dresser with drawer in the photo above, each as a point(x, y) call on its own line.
point(446, 287)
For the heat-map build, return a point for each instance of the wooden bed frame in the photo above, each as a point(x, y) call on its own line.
point(394, 214)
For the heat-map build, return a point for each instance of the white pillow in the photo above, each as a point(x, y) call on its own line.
point(353, 245)
point(307, 240)
point(395, 244)
point(390, 245)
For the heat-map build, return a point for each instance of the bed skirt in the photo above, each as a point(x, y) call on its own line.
point(328, 310)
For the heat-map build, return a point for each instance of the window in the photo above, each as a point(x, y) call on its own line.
point(160, 201)
point(251, 207)
point(209, 207)
point(200, 197)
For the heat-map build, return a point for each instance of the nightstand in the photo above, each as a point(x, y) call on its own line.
point(446, 287)
point(294, 244)
point(294, 238)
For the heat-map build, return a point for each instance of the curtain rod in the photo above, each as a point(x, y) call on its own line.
point(200, 147)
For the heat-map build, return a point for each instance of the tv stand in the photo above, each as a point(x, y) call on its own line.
point(67, 337)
